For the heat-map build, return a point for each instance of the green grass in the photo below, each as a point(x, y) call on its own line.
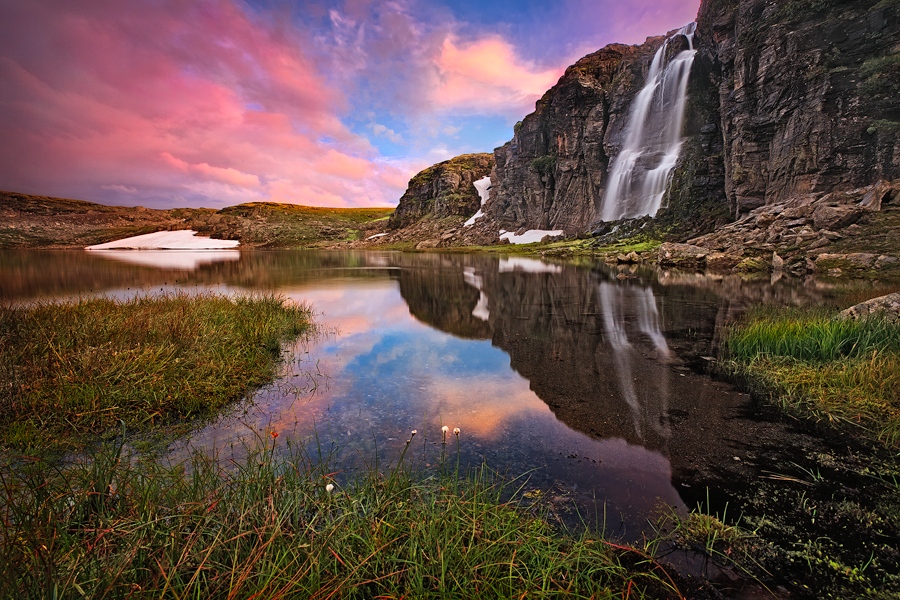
point(820, 365)
point(268, 527)
point(72, 370)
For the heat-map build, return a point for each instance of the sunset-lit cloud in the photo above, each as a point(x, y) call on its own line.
point(487, 76)
point(322, 102)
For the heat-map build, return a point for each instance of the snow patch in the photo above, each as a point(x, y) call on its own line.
point(483, 186)
point(529, 237)
point(184, 239)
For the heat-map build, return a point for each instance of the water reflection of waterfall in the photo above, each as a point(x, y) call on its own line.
point(648, 400)
point(641, 171)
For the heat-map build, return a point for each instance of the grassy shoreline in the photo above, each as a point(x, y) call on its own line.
point(815, 365)
point(74, 370)
point(275, 525)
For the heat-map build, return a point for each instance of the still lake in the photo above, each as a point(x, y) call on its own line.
point(583, 381)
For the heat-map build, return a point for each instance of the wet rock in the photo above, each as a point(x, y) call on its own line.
point(888, 307)
point(682, 256)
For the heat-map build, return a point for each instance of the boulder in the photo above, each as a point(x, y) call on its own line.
point(682, 256)
point(836, 217)
point(887, 307)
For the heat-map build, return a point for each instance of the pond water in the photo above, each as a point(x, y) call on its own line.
point(586, 381)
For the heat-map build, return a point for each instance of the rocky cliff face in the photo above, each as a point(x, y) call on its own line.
point(553, 172)
point(443, 190)
point(809, 94)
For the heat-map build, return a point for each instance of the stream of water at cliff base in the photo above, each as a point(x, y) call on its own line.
point(640, 172)
point(573, 379)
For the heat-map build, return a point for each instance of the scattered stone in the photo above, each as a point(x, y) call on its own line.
point(857, 261)
point(884, 262)
point(836, 217)
point(721, 261)
point(682, 256)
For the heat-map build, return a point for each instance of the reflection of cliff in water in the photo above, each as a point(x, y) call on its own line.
point(593, 349)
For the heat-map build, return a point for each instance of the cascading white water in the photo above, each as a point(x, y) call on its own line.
point(640, 172)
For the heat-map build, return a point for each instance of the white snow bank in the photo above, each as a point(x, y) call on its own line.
point(528, 265)
point(185, 239)
point(483, 187)
point(474, 218)
point(529, 237)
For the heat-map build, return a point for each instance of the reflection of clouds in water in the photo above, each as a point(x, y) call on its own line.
point(484, 406)
point(388, 373)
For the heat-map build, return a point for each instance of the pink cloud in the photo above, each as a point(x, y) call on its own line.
point(486, 75)
point(201, 101)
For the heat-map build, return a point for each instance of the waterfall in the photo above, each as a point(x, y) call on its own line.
point(642, 169)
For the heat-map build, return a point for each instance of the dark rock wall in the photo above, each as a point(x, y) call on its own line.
point(809, 94)
point(443, 190)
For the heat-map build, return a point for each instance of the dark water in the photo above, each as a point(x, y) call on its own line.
point(583, 380)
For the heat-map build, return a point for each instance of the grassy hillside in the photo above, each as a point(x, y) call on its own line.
point(42, 222)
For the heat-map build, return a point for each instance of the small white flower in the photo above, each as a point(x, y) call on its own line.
point(445, 430)
point(413, 432)
point(329, 488)
point(456, 431)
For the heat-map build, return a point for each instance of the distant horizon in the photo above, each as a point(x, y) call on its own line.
point(321, 103)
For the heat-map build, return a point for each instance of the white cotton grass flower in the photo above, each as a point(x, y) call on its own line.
point(456, 431)
point(329, 488)
point(444, 431)
point(413, 432)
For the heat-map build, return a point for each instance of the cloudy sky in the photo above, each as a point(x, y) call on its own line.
point(321, 102)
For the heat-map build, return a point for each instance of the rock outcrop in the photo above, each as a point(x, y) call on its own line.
point(443, 190)
point(809, 94)
point(801, 230)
